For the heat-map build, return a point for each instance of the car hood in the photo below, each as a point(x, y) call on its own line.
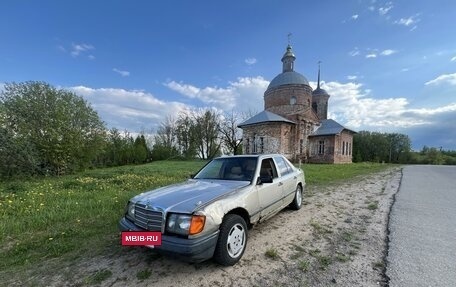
point(186, 197)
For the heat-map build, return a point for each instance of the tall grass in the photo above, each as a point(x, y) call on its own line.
point(74, 215)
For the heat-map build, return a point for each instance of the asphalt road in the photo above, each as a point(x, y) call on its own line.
point(422, 247)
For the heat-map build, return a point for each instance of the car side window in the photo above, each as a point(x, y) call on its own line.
point(268, 168)
point(282, 166)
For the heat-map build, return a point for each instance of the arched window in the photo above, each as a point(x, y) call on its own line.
point(293, 100)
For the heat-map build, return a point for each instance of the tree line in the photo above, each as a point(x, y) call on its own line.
point(381, 147)
point(203, 134)
point(50, 131)
point(396, 148)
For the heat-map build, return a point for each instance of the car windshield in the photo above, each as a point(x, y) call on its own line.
point(229, 168)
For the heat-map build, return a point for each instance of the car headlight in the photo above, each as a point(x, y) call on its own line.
point(131, 209)
point(185, 224)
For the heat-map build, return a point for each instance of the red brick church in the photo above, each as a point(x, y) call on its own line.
point(294, 121)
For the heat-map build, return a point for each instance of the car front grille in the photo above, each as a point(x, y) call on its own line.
point(148, 218)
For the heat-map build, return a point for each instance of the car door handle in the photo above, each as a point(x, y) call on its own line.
point(280, 184)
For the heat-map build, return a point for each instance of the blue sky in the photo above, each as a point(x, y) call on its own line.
point(390, 66)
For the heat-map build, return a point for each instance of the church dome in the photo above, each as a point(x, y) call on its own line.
point(288, 78)
point(320, 92)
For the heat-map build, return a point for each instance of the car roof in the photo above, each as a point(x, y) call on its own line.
point(251, 155)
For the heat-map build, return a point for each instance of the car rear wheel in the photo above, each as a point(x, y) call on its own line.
point(297, 201)
point(232, 240)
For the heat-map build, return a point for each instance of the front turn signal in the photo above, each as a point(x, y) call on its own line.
point(197, 224)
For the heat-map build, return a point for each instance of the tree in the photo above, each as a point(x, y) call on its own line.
point(185, 133)
point(165, 146)
point(231, 135)
point(141, 151)
point(207, 125)
point(61, 128)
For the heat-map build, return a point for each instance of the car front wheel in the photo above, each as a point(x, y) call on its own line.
point(232, 240)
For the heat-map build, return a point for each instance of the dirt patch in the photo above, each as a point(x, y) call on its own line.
point(338, 238)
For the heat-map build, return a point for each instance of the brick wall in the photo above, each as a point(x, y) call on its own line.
point(277, 100)
point(337, 148)
point(269, 138)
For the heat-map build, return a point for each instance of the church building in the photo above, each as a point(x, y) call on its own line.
point(294, 121)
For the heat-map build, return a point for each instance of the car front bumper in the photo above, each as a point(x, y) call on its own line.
point(192, 250)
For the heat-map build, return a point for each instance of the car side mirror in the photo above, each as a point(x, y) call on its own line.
point(264, 179)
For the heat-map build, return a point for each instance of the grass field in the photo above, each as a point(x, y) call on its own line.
point(76, 216)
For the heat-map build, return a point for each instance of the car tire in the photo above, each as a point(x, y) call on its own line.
point(297, 201)
point(232, 240)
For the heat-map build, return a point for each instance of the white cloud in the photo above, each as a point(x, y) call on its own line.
point(250, 61)
point(91, 57)
point(385, 9)
point(122, 73)
point(371, 55)
point(355, 17)
point(244, 93)
point(77, 49)
point(354, 52)
point(409, 22)
point(443, 79)
point(354, 107)
point(129, 109)
point(352, 77)
point(453, 59)
point(388, 52)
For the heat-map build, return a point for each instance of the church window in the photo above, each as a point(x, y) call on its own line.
point(247, 146)
point(293, 100)
point(349, 148)
point(301, 143)
point(343, 148)
point(314, 107)
point(346, 148)
point(321, 147)
point(261, 145)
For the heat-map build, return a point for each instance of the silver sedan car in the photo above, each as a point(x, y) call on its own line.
point(208, 216)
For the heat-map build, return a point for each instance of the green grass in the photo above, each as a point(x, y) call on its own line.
point(373, 205)
point(319, 229)
point(272, 253)
point(318, 174)
point(98, 277)
point(73, 217)
point(342, 257)
point(324, 261)
point(143, 274)
point(304, 265)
